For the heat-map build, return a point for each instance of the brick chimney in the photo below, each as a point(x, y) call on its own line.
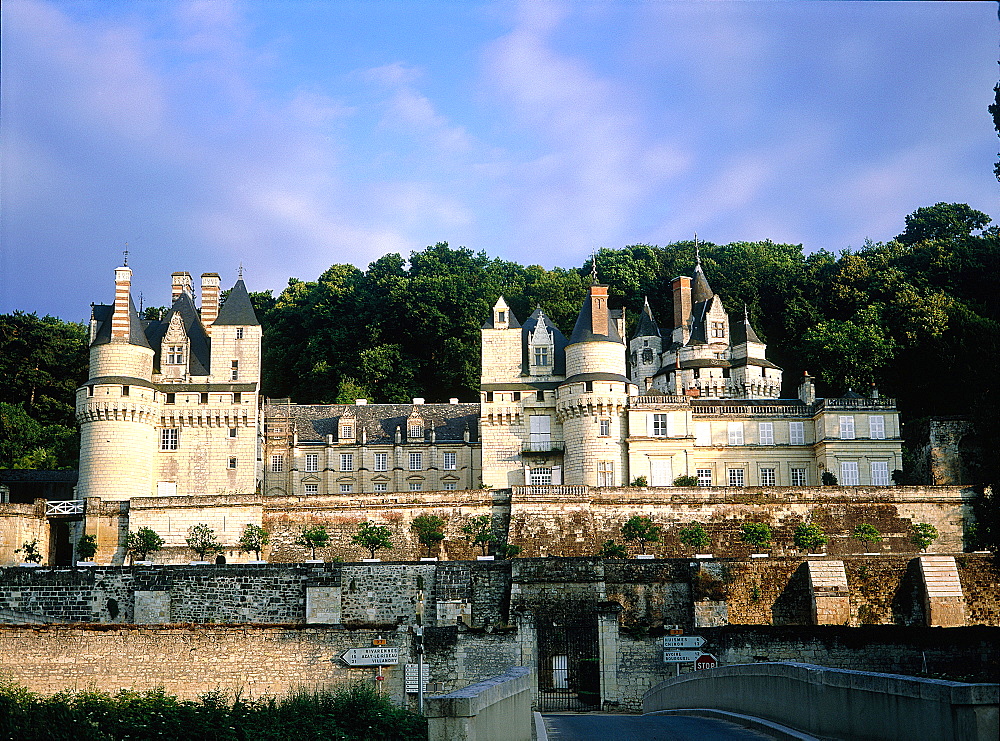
point(599, 309)
point(209, 298)
point(179, 281)
point(682, 300)
point(121, 323)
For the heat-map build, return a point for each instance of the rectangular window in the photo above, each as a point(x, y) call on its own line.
point(846, 427)
point(234, 373)
point(605, 428)
point(346, 488)
point(765, 431)
point(203, 398)
point(415, 430)
point(849, 473)
point(171, 398)
point(516, 396)
point(539, 429)
point(450, 486)
point(703, 433)
point(233, 431)
point(540, 395)
point(311, 488)
point(277, 463)
point(450, 460)
point(169, 438)
point(735, 476)
point(126, 390)
point(767, 477)
point(735, 433)
point(381, 462)
point(659, 472)
point(416, 486)
point(380, 486)
point(232, 463)
point(347, 461)
point(798, 477)
point(588, 387)
point(501, 316)
point(704, 476)
point(659, 425)
point(175, 355)
point(718, 329)
point(880, 473)
point(239, 333)
point(416, 461)
point(347, 432)
point(605, 473)
point(876, 427)
point(312, 462)
point(797, 433)
point(541, 356)
point(540, 477)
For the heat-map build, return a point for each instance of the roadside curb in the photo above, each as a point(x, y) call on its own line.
point(759, 724)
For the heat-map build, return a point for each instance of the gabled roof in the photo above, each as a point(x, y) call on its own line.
point(558, 342)
point(647, 326)
point(199, 346)
point(237, 309)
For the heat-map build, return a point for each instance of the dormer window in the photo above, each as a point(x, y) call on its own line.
point(175, 355)
point(415, 429)
point(542, 356)
point(346, 430)
point(501, 317)
point(718, 329)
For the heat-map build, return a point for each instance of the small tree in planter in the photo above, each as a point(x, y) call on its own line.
point(923, 535)
point(757, 535)
point(639, 481)
point(809, 537)
point(686, 480)
point(142, 542)
point(30, 550)
point(828, 479)
point(479, 531)
point(253, 540)
point(373, 537)
point(313, 537)
point(429, 530)
point(86, 548)
point(201, 540)
point(505, 550)
point(867, 533)
point(611, 549)
point(694, 536)
point(641, 530)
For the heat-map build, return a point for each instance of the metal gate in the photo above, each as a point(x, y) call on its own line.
point(569, 676)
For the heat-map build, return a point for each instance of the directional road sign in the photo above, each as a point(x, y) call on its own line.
point(683, 641)
point(674, 656)
point(373, 656)
point(706, 661)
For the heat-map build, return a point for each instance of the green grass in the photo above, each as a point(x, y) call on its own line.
point(347, 713)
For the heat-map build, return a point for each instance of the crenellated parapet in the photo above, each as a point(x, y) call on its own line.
point(591, 405)
point(116, 410)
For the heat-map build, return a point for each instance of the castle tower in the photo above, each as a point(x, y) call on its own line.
point(645, 348)
point(117, 407)
point(592, 402)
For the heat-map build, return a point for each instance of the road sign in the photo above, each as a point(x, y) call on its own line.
point(706, 661)
point(683, 641)
point(377, 656)
point(680, 657)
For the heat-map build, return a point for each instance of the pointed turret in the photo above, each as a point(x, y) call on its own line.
point(700, 290)
point(237, 310)
point(595, 322)
point(743, 332)
point(647, 326)
point(645, 349)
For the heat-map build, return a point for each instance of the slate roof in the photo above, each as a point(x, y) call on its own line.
point(647, 326)
point(700, 290)
point(200, 347)
point(740, 330)
point(558, 342)
point(582, 329)
point(699, 326)
point(512, 322)
point(237, 308)
point(314, 422)
point(102, 313)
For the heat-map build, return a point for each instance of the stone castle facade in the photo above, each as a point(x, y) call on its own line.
point(172, 407)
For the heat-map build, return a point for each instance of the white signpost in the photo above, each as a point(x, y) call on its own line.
point(374, 656)
point(683, 642)
point(680, 657)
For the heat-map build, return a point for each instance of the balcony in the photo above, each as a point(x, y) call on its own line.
point(858, 403)
point(543, 448)
point(64, 508)
point(658, 400)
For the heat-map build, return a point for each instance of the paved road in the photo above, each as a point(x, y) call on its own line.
point(588, 726)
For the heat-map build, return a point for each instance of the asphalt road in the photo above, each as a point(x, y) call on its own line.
point(588, 726)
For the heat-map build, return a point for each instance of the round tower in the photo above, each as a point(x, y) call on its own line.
point(592, 403)
point(645, 350)
point(117, 408)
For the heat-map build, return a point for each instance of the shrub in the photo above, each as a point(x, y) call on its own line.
point(641, 530)
point(253, 540)
point(373, 537)
point(757, 535)
point(313, 537)
point(828, 479)
point(923, 535)
point(611, 549)
point(867, 533)
point(809, 537)
point(429, 529)
point(30, 550)
point(479, 531)
point(686, 480)
point(506, 550)
point(694, 536)
point(639, 481)
point(86, 548)
point(143, 542)
point(201, 540)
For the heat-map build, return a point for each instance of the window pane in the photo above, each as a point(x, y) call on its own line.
point(704, 477)
point(736, 477)
point(846, 427)
point(381, 462)
point(450, 461)
point(540, 477)
point(346, 488)
point(798, 477)
point(796, 433)
point(416, 461)
point(735, 433)
point(849, 473)
point(277, 463)
point(380, 486)
point(766, 430)
point(880, 473)
point(876, 427)
point(450, 486)
point(312, 462)
point(605, 428)
point(416, 486)
point(347, 461)
point(312, 488)
point(767, 477)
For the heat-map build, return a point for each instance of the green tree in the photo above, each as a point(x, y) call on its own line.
point(373, 537)
point(923, 534)
point(694, 536)
point(253, 539)
point(429, 530)
point(30, 550)
point(942, 221)
point(479, 531)
point(313, 537)
point(142, 542)
point(26, 443)
point(201, 539)
point(611, 549)
point(640, 530)
point(809, 537)
point(86, 548)
point(505, 550)
point(867, 533)
point(757, 535)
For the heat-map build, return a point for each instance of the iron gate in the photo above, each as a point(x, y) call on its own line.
point(569, 675)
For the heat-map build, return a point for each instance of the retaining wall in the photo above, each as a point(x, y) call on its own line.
point(496, 709)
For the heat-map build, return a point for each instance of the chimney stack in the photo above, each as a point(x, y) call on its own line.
point(599, 309)
point(209, 298)
point(682, 300)
point(179, 281)
point(121, 322)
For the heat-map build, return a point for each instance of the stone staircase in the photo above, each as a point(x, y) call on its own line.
point(944, 603)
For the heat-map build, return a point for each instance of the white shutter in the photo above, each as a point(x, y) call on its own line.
point(557, 475)
point(703, 433)
point(659, 472)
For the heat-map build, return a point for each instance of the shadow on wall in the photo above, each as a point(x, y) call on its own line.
point(793, 606)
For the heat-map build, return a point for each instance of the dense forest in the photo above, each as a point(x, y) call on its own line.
point(918, 317)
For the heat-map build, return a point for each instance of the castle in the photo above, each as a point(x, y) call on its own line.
point(171, 407)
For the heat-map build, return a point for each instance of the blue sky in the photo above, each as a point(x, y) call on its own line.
point(291, 135)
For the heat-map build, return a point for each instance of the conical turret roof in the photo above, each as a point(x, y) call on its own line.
point(647, 326)
point(237, 309)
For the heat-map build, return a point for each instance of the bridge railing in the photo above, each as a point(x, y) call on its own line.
point(498, 709)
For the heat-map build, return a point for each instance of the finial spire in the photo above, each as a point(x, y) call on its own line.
point(241, 270)
point(126, 254)
point(697, 251)
point(593, 268)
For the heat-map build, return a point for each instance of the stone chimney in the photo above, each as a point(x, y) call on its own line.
point(682, 300)
point(121, 322)
point(599, 309)
point(209, 298)
point(807, 391)
point(179, 282)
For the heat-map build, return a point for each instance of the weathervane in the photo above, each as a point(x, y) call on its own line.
point(241, 270)
point(697, 251)
point(126, 254)
point(593, 268)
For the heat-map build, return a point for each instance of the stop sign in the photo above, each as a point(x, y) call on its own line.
point(706, 661)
